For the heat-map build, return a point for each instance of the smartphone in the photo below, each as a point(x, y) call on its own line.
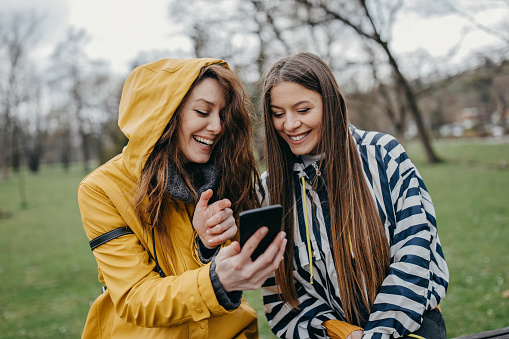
point(252, 220)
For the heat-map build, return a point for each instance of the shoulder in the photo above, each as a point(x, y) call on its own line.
point(105, 199)
point(374, 138)
point(107, 178)
point(387, 146)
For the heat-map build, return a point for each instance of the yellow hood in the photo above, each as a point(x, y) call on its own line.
point(151, 94)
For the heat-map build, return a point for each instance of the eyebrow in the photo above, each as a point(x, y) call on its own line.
point(206, 101)
point(296, 104)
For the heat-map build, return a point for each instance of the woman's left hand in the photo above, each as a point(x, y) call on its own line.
point(214, 223)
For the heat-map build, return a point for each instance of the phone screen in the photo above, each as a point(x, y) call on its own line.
point(252, 220)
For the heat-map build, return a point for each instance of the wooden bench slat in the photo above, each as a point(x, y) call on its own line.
point(498, 333)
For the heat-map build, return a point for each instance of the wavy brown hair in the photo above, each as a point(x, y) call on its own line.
point(233, 155)
point(353, 211)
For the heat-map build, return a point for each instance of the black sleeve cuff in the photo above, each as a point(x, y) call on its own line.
point(229, 300)
point(205, 254)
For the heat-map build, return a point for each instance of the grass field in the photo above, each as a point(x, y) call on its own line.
point(48, 277)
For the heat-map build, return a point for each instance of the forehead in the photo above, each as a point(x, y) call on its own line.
point(208, 91)
point(292, 92)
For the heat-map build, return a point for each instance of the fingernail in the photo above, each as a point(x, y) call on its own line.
point(207, 232)
point(264, 230)
point(210, 241)
point(282, 235)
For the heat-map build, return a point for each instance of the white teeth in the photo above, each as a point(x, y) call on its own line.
point(299, 137)
point(204, 141)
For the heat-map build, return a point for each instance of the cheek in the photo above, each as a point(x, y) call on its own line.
point(319, 129)
point(181, 139)
point(278, 124)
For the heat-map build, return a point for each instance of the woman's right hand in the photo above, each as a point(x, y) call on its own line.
point(355, 335)
point(235, 269)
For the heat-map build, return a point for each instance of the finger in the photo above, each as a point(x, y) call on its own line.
point(220, 205)
point(229, 251)
point(272, 252)
point(204, 199)
point(228, 234)
point(226, 225)
point(219, 217)
point(280, 255)
point(253, 241)
point(268, 265)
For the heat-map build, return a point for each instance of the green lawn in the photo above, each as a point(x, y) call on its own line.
point(471, 196)
point(49, 278)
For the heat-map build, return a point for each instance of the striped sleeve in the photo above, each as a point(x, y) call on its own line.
point(418, 275)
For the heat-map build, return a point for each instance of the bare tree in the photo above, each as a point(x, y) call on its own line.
point(105, 92)
point(353, 37)
point(501, 85)
point(18, 36)
point(33, 122)
point(373, 21)
point(70, 70)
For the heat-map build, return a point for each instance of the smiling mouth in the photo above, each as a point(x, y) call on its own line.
point(299, 137)
point(203, 141)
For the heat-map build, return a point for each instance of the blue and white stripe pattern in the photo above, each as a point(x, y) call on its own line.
point(418, 275)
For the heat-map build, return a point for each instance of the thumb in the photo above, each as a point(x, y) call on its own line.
point(229, 251)
point(204, 200)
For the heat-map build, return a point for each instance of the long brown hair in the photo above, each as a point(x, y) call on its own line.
point(233, 155)
point(353, 212)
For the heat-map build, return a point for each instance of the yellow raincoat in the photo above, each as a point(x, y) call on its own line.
point(138, 303)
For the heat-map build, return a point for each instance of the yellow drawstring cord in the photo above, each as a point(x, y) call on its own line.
point(310, 253)
point(350, 243)
point(415, 336)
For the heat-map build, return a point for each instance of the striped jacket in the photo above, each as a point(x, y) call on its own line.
point(418, 274)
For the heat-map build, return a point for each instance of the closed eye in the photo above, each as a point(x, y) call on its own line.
point(303, 110)
point(201, 113)
point(277, 114)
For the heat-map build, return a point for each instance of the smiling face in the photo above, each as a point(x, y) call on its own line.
point(297, 116)
point(200, 124)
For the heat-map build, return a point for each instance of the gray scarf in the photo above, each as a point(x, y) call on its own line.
point(203, 177)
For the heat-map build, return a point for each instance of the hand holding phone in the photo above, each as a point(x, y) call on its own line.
point(252, 220)
point(238, 272)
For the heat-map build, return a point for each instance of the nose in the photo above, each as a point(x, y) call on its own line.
point(214, 124)
point(292, 121)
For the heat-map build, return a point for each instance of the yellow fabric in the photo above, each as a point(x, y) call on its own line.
point(138, 303)
point(415, 336)
point(151, 94)
point(337, 329)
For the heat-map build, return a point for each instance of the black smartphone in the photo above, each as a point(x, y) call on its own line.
point(252, 220)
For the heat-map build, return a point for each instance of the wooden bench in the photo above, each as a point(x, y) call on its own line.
point(493, 334)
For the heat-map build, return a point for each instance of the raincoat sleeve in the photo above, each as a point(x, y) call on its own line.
point(140, 296)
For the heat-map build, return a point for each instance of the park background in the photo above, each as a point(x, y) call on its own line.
point(435, 74)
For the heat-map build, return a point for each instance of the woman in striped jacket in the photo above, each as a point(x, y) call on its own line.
point(363, 258)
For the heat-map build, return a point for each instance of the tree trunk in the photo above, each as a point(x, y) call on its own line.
point(414, 109)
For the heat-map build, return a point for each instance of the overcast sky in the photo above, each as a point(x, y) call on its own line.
point(120, 29)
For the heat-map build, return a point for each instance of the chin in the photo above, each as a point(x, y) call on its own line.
point(201, 160)
point(301, 151)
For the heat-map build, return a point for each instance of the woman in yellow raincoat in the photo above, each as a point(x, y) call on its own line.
point(157, 213)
